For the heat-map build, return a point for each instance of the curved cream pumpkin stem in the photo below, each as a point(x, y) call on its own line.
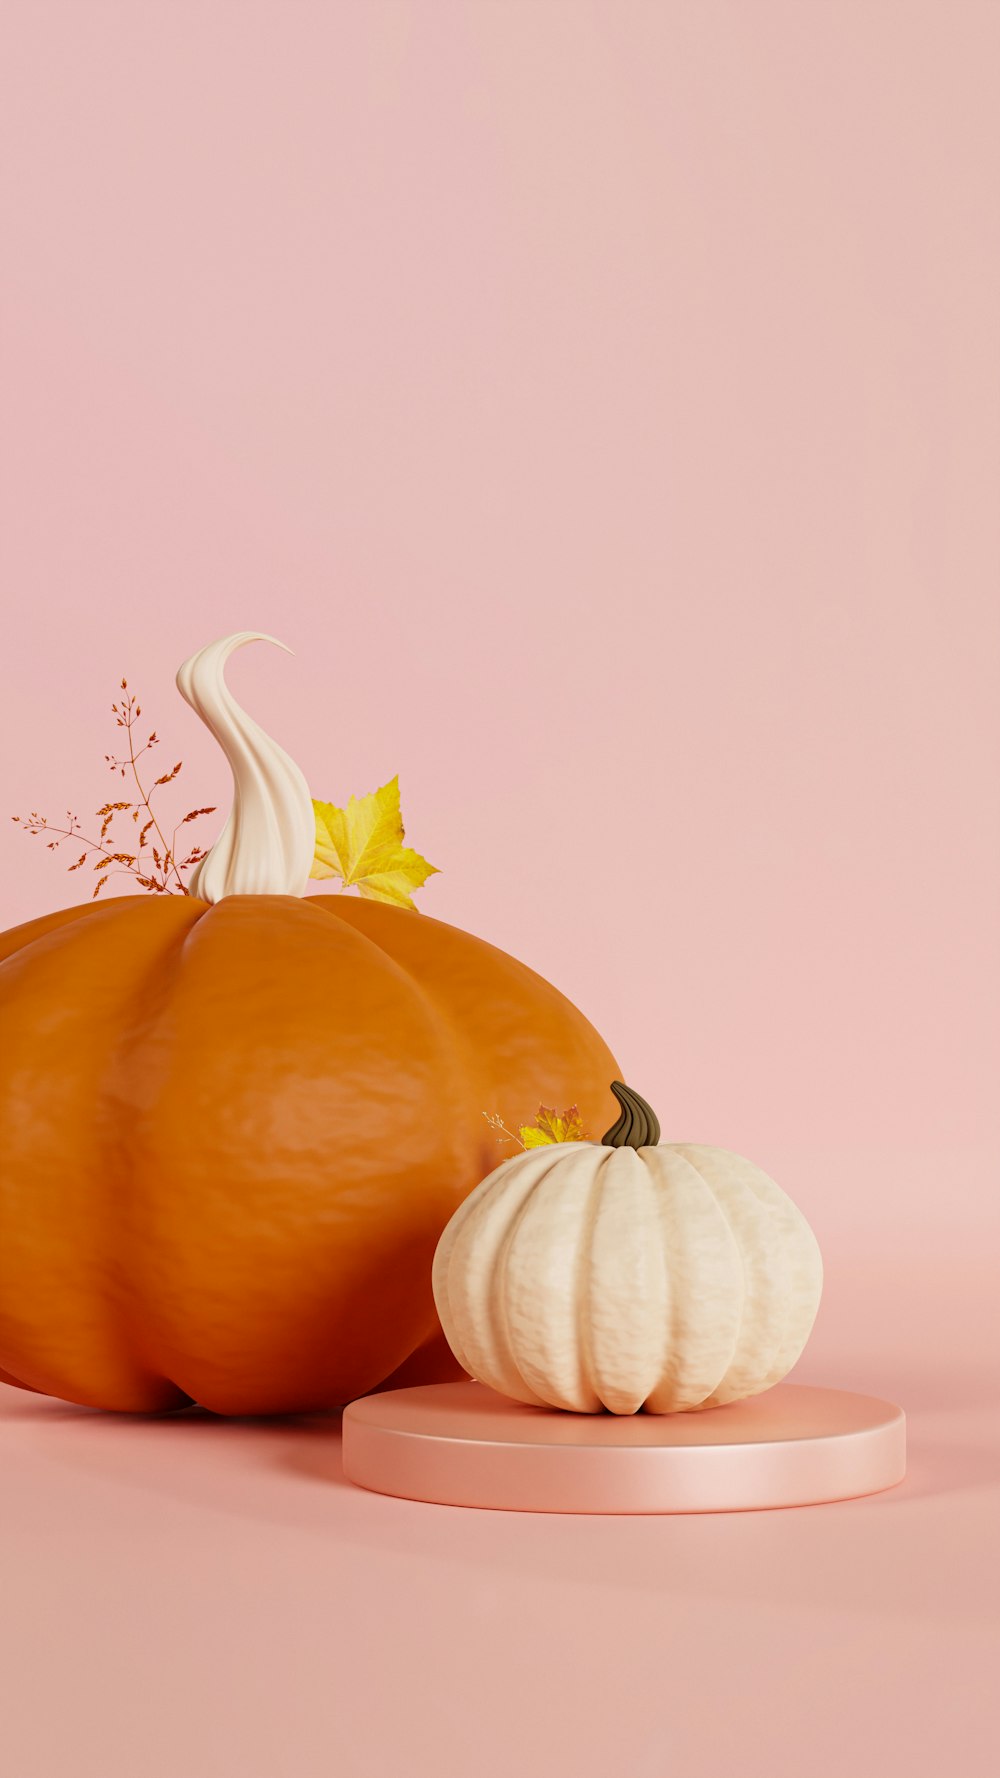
point(268, 843)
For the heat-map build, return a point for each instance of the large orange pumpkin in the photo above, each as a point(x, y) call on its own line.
point(232, 1133)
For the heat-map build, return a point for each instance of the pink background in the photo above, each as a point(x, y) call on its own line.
point(603, 401)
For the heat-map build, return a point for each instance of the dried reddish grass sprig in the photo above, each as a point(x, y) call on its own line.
point(155, 866)
point(493, 1118)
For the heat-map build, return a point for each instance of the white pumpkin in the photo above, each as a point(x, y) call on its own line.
point(625, 1275)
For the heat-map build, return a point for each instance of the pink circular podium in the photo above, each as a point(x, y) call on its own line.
point(460, 1444)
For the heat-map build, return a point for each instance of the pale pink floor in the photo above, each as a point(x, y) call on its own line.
point(194, 1598)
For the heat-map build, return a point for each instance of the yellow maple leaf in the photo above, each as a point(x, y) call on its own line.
point(553, 1126)
point(363, 845)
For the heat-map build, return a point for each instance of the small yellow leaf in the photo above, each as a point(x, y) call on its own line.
point(363, 845)
point(553, 1126)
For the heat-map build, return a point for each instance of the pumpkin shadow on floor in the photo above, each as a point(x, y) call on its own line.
point(312, 1448)
point(242, 1466)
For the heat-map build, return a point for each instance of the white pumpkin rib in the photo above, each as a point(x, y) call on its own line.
point(741, 1377)
point(508, 1377)
point(792, 1235)
point(444, 1278)
point(765, 1267)
point(544, 1165)
point(476, 1266)
point(449, 1234)
point(806, 1286)
point(582, 1292)
point(706, 1284)
point(540, 1269)
point(624, 1288)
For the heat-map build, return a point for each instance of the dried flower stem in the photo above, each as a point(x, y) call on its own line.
point(132, 710)
point(163, 876)
point(496, 1122)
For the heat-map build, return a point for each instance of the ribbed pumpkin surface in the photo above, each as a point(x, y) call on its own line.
point(662, 1278)
point(231, 1137)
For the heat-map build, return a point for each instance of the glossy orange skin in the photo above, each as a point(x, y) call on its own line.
point(230, 1137)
